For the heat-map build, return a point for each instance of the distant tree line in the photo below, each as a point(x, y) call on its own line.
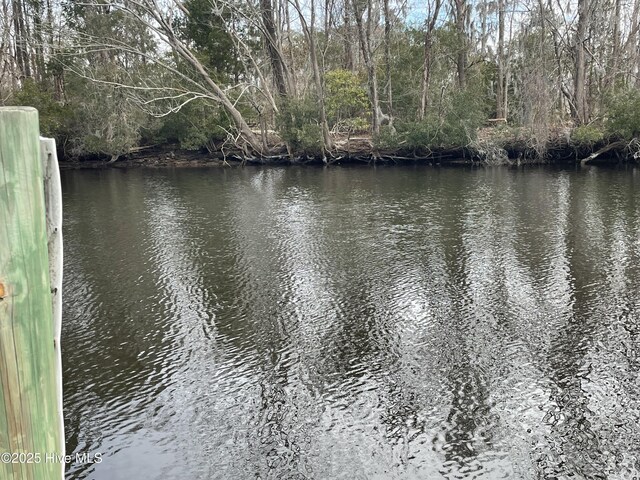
point(109, 76)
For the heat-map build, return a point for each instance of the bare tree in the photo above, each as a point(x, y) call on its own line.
point(460, 15)
point(347, 33)
point(310, 35)
point(278, 65)
point(501, 101)
point(23, 60)
point(433, 10)
point(387, 56)
point(365, 30)
point(580, 73)
point(150, 15)
point(615, 48)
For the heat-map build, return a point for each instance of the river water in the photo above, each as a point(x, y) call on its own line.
point(352, 323)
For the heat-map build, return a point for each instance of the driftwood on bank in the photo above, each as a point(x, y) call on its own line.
point(607, 148)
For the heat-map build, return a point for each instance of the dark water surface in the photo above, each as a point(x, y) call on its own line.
point(353, 323)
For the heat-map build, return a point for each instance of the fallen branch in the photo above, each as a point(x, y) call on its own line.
point(604, 149)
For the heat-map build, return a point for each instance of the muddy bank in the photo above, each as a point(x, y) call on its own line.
point(487, 150)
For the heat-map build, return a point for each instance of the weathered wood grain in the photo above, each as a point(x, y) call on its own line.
point(53, 207)
point(30, 411)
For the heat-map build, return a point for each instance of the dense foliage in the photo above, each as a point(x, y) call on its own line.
point(109, 76)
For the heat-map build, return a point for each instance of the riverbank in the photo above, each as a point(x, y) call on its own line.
point(493, 146)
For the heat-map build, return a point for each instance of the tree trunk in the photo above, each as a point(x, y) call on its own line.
point(38, 40)
point(387, 57)
point(313, 51)
point(629, 47)
point(7, 64)
point(309, 33)
point(461, 60)
point(243, 128)
point(21, 50)
point(292, 64)
point(564, 89)
point(579, 92)
point(166, 27)
point(365, 46)
point(483, 29)
point(426, 68)
point(278, 67)
point(500, 93)
point(615, 50)
point(348, 63)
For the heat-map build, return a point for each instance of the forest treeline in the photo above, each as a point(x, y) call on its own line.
point(273, 77)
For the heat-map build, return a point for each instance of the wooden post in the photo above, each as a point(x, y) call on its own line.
point(53, 206)
point(31, 435)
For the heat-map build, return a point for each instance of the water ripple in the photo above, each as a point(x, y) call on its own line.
point(352, 323)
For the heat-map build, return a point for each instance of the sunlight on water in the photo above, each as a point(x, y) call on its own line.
point(353, 323)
